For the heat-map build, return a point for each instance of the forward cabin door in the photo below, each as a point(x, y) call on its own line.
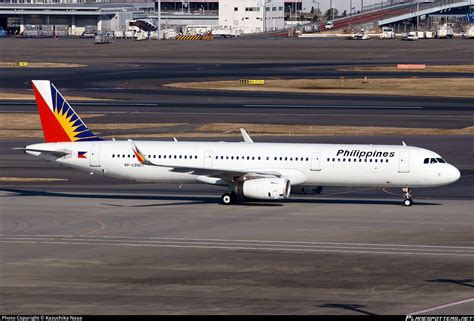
point(316, 161)
point(404, 162)
point(208, 159)
point(95, 156)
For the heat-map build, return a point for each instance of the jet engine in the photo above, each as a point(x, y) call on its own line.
point(265, 188)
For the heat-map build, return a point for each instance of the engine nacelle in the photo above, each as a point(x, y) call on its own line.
point(266, 188)
point(306, 190)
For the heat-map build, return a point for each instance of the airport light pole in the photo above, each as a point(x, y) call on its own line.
point(159, 19)
point(417, 14)
point(202, 14)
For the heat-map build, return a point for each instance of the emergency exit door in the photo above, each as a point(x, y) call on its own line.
point(404, 162)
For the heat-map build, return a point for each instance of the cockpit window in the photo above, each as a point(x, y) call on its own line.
point(433, 160)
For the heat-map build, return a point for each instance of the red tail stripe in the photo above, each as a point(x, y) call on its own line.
point(52, 129)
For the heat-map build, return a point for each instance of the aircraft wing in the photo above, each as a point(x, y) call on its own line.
point(224, 173)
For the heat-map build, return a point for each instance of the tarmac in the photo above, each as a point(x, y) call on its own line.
point(96, 245)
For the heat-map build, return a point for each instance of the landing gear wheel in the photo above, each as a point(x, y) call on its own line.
point(407, 196)
point(228, 198)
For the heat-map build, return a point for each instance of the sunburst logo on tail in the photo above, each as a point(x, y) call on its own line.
point(60, 122)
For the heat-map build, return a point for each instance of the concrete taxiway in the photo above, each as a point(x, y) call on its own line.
point(114, 252)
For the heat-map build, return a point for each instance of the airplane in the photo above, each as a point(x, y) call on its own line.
point(249, 170)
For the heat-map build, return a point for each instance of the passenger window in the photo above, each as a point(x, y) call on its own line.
point(307, 158)
point(296, 158)
point(376, 160)
point(180, 156)
point(348, 159)
point(196, 157)
point(113, 155)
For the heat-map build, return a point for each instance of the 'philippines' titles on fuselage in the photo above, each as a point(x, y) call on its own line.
point(362, 153)
point(249, 170)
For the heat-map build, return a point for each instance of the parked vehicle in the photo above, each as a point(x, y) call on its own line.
point(387, 33)
point(469, 34)
point(411, 36)
point(329, 25)
point(225, 33)
point(445, 31)
point(362, 35)
point(429, 35)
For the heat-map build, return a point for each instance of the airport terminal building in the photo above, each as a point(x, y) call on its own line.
point(37, 18)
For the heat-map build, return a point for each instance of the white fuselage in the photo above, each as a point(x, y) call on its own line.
point(301, 164)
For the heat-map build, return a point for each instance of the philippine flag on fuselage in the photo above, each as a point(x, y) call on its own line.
point(81, 154)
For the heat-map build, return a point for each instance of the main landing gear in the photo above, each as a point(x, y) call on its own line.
point(228, 198)
point(407, 197)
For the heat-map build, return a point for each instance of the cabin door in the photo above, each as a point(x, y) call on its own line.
point(404, 162)
point(316, 162)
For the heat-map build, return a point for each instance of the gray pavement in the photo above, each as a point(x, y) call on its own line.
point(97, 245)
point(101, 253)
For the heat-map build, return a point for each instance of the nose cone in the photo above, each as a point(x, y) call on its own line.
point(453, 174)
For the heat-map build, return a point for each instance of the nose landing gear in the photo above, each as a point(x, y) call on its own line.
point(407, 196)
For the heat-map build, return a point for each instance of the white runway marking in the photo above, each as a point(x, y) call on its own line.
point(256, 245)
point(337, 106)
point(447, 305)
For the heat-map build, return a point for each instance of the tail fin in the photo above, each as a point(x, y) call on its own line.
point(59, 121)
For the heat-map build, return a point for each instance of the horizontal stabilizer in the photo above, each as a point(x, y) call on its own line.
point(58, 153)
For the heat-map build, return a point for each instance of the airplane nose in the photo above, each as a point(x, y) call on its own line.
point(454, 174)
